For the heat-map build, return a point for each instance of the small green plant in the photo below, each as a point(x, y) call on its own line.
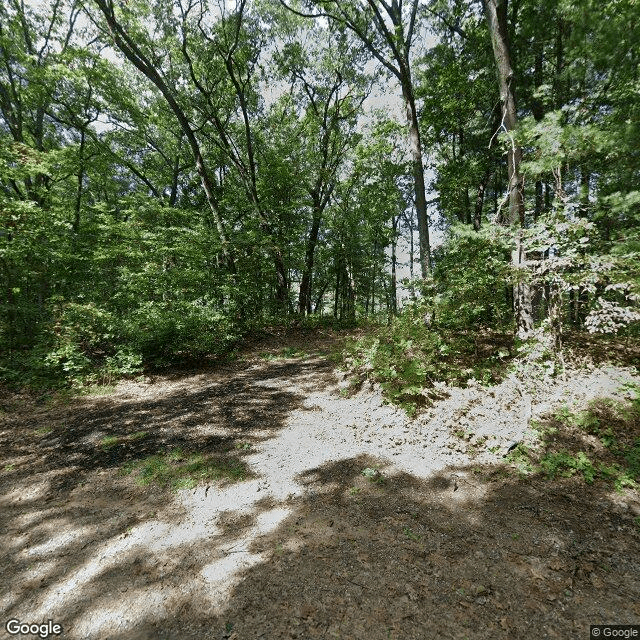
point(614, 423)
point(284, 353)
point(373, 475)
point(138, 435)
point(42, 431)
point(176, 469)
point(521, 458)
point(109, 441)
point(565, 465)
point(354, 491)
point(411, 535)
point(98, 390)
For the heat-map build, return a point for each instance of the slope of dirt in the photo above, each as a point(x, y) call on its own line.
point(351, 521)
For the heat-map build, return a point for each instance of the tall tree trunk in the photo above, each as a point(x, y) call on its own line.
point(418, 173)
point(80, 181)
point(479, 204)
point(306, 284)
point(496, 13)
point(394, 260)
point(320, 297)
point(336, 298)
point(585, 178)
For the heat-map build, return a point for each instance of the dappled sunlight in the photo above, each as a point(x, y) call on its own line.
point(55, 543)
point(30, 493)
point(132, 608)
point(344, 519)
point(226, 572)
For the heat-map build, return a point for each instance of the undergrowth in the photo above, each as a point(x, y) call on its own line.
point(601, 442)
point(176, 469)
point(408, 356)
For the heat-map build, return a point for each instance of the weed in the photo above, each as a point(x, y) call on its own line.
point(109, 441)
point(564, 464)
point(411, 535)
point(406, 357)
point(42, 431)
point(354, 491)
point(373, 475)
point(616, 425)
point(178, 470)
point(98, 390)
point(284, 353)
point(521, 458)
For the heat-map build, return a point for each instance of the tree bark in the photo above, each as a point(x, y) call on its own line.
point(304, 297)
point(479, 204)
point(80, 183)
point(496, 14)
point(394, 259)
point(418, 174)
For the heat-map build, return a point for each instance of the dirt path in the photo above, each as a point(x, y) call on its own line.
point(351, 522)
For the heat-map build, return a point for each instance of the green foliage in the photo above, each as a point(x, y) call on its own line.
point(471, 273)
point(165, 332)
point(176, 469)
point(409, 358)
point(616, 425)
point(113, 258)
point(564, 464)
point(285, 352)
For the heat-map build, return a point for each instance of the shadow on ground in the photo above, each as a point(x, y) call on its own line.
point(65, 505)
point(366, 552)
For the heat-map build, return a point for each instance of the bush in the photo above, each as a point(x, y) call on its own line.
point(166, 332)
point(408, 356)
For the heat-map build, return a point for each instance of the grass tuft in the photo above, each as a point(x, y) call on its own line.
point(176, 469)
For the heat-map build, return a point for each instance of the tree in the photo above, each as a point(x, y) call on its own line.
point(496, 13)
point(135, 53)
point(387, 30)
point(329, 93)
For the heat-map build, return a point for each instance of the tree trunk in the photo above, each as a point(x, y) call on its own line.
point(496, 13)
point(418, 173)
point(80, 180)
point(394, 259)
point(282, 281)
point(336, 298)
point(479, 204)
point(304, 298)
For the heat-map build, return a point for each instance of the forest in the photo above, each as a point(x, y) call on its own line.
point(176, 175)
point(319, 319)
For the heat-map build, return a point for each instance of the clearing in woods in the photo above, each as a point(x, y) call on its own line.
point(258, 499)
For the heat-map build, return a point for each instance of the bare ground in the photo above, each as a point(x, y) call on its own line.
point(438, 539)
